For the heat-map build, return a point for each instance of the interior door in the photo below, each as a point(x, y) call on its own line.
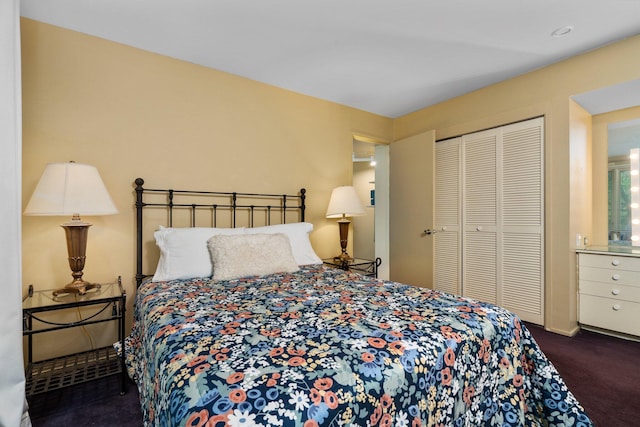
point(411, 183)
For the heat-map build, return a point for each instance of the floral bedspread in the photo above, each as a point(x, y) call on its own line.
point(323, 347)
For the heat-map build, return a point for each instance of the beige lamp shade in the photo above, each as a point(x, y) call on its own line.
point(68, 189)
point(344, 202)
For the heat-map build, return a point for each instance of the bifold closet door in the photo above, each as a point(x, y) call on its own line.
point(480, 216)
point(448, 250)
point(522, 217)
point(489, 217)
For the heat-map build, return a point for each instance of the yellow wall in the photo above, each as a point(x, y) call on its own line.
point(133, 114)
point(580, 171)
point(545, 92)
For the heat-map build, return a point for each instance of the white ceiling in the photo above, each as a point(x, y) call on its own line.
point(610, 98)
point(389, 57)
point(622, 136)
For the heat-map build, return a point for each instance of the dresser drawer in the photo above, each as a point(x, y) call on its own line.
point(625, 277)
point(610, 262)
point(610, 290)
point(607, 313)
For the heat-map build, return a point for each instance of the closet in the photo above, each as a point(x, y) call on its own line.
point(489, 217)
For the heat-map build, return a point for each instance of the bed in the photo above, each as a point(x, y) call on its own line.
point(301, 344)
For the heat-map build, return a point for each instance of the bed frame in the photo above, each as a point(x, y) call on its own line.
point(241, 209)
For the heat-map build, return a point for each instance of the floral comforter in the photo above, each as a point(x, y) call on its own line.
point(323, 347)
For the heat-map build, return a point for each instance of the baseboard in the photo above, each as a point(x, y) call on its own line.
point(567, 333)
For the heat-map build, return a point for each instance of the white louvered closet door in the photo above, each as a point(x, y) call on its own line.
point(522, 261)
point(489, 217)
point(447, 256)
point(479, 246)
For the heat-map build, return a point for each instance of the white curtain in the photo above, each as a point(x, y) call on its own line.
point(12, 412)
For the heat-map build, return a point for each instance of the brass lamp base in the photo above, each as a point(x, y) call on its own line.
point(343, 257)
point(76, 232)
point(79, 287)
point(343, 227)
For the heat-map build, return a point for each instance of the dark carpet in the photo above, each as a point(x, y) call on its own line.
point(603, 373)
point(92, 404)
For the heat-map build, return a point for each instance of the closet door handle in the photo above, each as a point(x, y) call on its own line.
point(479, 228)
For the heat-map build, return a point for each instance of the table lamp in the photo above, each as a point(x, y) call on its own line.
point(72, 189)
point(344, 203)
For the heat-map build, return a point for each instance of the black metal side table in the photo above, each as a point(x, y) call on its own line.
point(109, 301)
point(366, 267)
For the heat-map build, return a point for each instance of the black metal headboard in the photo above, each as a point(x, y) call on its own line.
point(219, 209)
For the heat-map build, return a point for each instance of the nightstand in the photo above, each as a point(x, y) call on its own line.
point(108, 302)
point(366, 267)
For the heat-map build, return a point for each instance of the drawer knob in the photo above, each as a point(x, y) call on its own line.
point(615, 291)
point(616, 307)
point(616, 277)
point(615, 262)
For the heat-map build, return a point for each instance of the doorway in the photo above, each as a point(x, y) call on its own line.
point(371, 181)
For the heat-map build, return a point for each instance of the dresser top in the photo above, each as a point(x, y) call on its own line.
point(631, 251)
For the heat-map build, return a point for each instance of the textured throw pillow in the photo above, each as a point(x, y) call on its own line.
point(184, 253)
point(298, 234)
point(250, 255)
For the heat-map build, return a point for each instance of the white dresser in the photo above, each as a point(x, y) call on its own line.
point(609, 289)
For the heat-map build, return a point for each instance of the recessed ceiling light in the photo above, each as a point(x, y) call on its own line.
point(562, 31)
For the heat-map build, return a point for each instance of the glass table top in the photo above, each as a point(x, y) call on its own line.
point(45, 298)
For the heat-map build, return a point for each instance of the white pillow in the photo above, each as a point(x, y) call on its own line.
point(184, 253)
point(250, 255)
point(298, 234)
